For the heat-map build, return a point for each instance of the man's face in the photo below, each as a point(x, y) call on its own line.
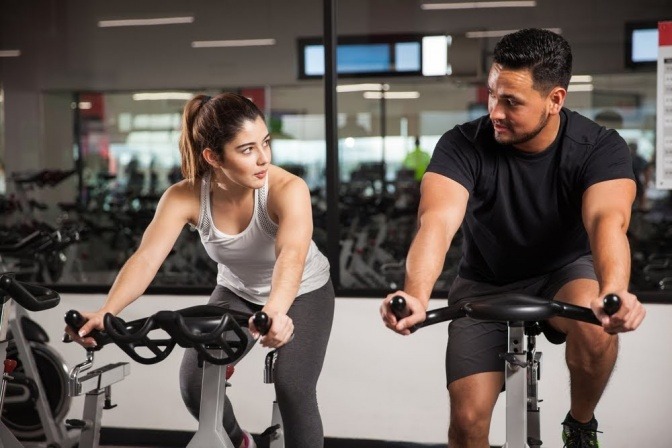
point(518, 112)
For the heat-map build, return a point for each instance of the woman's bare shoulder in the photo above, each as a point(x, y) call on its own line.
point(286, 191)
point(183, 198)
point(282, 180)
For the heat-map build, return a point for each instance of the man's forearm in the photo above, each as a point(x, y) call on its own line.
point(424, 263)
point(611, 254)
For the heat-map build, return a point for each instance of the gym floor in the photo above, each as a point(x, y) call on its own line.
point(125, 438)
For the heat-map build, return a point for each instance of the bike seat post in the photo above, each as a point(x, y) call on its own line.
point(533, 410)
point(516, 387)
point(211, 432)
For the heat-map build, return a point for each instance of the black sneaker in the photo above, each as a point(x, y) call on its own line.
point(579, 435)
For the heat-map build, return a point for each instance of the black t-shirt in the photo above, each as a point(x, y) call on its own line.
point(523, 216)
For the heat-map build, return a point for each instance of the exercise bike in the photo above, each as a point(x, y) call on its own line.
point(523, 315)
point(218, 337)
point(21, 384)
point(96, 386)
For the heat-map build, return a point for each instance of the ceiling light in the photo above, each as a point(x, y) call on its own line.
point(486, 34)
point(361, 87)
point(10, 53)
point(580, 88)
point(155, 96)
point(232, 43)
point(474, 5)
point(392, 95)
point(500, 33)
point(145, 22)
point(581, 78)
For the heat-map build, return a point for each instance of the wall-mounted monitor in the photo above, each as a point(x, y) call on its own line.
point(378, 55)
point(641, 44)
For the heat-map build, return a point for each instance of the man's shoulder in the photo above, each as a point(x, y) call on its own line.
point(583, 131)
point(475, 129)
point(470, 133)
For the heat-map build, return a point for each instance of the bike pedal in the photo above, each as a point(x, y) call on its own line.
point(532, 442)
point(270, 431)
point(74, 423)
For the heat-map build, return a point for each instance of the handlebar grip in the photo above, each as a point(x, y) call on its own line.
point(399, 308)
point(76, 321)
point(611, 303)
point(262, 322)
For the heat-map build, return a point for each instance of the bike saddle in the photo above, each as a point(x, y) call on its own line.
point(511, 308)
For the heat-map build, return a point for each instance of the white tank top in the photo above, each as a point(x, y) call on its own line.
point(245, 261)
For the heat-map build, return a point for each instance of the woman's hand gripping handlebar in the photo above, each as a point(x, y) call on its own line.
point(271, 332)
point(91, 338)
point(505, 307)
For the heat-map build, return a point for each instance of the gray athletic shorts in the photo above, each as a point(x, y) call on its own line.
point(474, 345)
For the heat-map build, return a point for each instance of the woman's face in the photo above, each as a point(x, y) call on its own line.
point(247, 157)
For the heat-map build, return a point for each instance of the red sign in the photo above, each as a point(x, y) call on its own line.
point(664, 34)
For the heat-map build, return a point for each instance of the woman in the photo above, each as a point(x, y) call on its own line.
point(255, 221)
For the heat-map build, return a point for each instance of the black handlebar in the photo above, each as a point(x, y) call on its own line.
point(611, 303)
point(204, 328)
point(31, 297)
point(262, 322)
point(507, 307)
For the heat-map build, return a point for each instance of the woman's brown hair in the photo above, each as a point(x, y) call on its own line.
point(211, 122)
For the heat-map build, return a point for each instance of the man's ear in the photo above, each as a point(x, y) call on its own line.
point(557, 99)
point(211, 157)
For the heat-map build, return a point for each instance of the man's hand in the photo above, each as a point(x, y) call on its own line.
point(415, 313)
point(628, 318)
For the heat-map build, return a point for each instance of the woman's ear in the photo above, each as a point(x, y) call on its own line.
point(211, 157)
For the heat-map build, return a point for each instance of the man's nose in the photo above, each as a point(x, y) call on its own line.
point(496, 111)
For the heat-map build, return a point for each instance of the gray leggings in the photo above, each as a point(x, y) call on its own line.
point(297, 367)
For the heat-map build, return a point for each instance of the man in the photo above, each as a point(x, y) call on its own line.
point(417, 160)
point(543, 196)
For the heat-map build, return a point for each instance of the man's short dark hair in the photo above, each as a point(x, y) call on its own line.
point(546, 54)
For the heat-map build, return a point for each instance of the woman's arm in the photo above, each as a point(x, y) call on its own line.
point(178, 205)
point(289, 203)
